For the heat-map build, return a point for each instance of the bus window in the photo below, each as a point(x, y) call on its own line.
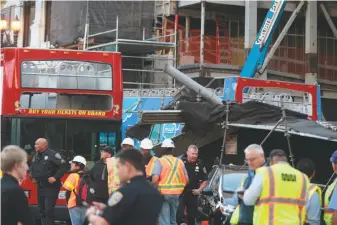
point(5, 132)
point(70, 137)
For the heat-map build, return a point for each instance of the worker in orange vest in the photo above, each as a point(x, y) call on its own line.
point(146, 147)
point(170, 176)
point(113, 179)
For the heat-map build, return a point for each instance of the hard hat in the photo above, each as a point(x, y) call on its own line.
point(128, 141)
point(79, 159)
point(167, 143)
point(146, 144)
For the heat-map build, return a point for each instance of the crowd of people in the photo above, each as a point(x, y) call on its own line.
point(134, 187)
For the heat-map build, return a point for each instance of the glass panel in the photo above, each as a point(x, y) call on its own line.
point(50, 100)
point(69, 137)
point(5, 131)
point(63, 74)
point(231, 182)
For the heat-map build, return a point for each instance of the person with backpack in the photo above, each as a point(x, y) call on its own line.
point(99, 177)
point(76, 186)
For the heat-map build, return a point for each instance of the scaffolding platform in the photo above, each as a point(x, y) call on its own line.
point(129, 46)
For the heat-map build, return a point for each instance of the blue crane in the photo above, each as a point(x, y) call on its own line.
point(259, 57)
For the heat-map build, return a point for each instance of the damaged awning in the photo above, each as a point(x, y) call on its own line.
point(189, 137)
point(294, 129)
point(160, 117)
point(202, 117)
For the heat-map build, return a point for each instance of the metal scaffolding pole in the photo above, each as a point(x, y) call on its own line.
point(202, 32)
point(328, 19)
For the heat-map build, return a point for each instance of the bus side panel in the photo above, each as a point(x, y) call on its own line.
point(31, 191)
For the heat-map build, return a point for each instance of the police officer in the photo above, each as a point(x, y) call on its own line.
point(197, 176)
point(135, 203)
point(46, 171)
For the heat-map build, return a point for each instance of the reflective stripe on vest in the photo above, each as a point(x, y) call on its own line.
point(283, 196)
point(328, 213)
point(113, 179)
point(236, 214)
point(313, 188)
point(172, 179)
point(150, 166)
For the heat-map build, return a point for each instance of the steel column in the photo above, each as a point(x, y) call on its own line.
point(311, 42)
point(250, 24)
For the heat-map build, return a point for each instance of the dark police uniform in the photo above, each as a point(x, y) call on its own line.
point(44, 165)
point(197, 174)
point(14, 203)
point(135, 203)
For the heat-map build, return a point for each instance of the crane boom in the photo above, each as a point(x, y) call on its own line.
point(260, 48)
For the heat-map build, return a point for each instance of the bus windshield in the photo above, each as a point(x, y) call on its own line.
point(68, 136)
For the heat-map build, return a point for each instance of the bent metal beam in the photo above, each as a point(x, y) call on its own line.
point(188, 82)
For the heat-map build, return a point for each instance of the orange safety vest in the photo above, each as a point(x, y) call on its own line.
point(150, 166)
point(283, 196)
point(113, 179)
point(172, 180)
point(71, 184)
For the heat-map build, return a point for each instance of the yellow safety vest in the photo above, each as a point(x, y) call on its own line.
point(283, 196)
point(236, 214)
point(113, 179)
point(312, 189)
point(1, 174)
point(328, 213)
point(150, 166)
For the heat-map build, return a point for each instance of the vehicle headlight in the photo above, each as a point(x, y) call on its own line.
point(62, 195)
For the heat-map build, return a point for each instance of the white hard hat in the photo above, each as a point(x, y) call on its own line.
point(79, 159)
point(128, 141)
point(167, 143)
point(146, 144)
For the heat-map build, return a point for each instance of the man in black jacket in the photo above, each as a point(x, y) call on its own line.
point(48, 167)
point(99, 178)
point(14, 203)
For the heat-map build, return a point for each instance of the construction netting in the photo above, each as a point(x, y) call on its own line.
point(69, 19)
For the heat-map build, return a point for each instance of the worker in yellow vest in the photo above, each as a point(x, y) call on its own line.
point(279, 193)
point(330, 197)
point(113, 179)
point(308, 167)
point(146, 146)
point(170, 175)
point(236, 214)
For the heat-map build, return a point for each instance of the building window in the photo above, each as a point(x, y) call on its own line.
point(29, 16)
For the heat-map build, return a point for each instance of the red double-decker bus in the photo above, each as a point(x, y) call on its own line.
point(68, 97)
